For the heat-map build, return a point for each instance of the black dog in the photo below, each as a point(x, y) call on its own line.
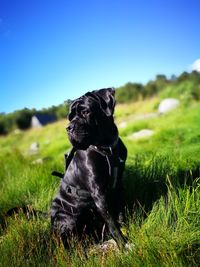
point(91, 194)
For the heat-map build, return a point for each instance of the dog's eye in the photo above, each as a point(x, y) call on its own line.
point(84, 113)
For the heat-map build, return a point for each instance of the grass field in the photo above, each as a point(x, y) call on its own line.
point(161, 185)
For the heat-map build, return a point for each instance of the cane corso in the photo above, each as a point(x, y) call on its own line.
point(90, 196)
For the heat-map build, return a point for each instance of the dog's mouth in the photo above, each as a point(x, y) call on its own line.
point(78, 131)
point(80, 141)
point(79, 136)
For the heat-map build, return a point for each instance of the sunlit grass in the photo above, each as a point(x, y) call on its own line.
point(161, 183)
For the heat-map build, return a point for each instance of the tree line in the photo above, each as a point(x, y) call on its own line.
point(21, 119)
point(186, 84)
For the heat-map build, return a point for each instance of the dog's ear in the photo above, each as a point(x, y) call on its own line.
point(106, 99)
point(72, 109)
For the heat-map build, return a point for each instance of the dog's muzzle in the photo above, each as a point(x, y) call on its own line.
point(77, 128)
point(78, 134)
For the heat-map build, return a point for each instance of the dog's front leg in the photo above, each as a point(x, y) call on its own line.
point(102, 207)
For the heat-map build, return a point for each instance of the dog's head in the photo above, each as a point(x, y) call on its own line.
point(91, 119)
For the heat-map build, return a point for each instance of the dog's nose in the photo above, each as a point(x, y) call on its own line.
point(69, 128)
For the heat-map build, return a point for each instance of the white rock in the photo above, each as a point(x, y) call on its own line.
point(17, 131)
point(109, 245)
point(37, 161)
point(34, 148)
point(122, 124)
point(167, 105)
point(129, 246)
point(146, 116)
point(141, 134)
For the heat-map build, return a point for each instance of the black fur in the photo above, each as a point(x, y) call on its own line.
point(90, 194)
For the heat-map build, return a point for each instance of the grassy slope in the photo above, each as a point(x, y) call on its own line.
point(164, 221)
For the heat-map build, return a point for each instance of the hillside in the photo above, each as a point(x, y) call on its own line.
point(161, 185)
point(186, 86)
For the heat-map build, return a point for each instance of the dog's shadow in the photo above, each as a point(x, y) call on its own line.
point(141, 190)
point(145, 183)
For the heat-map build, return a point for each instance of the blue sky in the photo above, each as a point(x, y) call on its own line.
point(53, 50)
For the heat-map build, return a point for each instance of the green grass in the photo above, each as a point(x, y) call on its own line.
point(161, 185)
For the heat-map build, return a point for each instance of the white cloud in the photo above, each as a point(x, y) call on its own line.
point(196, 65)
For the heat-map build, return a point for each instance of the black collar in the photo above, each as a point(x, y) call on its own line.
point(105, 150)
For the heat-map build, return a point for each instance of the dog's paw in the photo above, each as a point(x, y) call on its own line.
point(129, 246)
point(105, 247)
point(109, 245)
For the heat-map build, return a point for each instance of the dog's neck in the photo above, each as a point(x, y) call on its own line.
point(108, 134)
point(112, 143)
point(107, 147)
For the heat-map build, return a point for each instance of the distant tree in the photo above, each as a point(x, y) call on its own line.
point(173, 78)
point(62, 111)
point(23, 118)
point(183, 77)
point(8, 122)
point(129, 92)
point(155, 86)
point(161, 77)
point(195, 76)
point(3, 129)
point(150, 89)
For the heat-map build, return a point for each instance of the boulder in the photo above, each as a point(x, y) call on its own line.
point(122, 124)
point(38, 161)
point(167, 105)
point(141, 134)
point(34, 148)
point(17, 131)
point(146, 116)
